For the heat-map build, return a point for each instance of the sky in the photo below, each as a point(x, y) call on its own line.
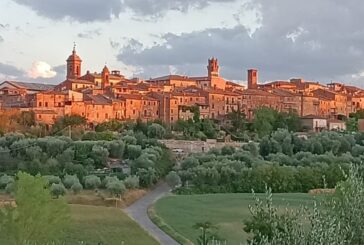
point(315, 40)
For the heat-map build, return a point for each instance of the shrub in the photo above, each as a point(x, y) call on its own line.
point(10, 188)
point(108, 179)
point(92, 182)
point(58, 190)
point(70, 180)
point(116, 187)
point(132, 182)
point(76, 188)
point(5, 180)
point(173, 180)
point(51, 179)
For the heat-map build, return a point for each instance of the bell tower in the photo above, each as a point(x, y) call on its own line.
point(105, 78)
point(213, 68)
point(74, 63)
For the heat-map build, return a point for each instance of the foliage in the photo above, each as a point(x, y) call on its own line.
point(5, 180)
point(132, 182)
point(337, 222)
point(156, 131)
point(70, 180)
point(37, 218)
point(208, 233)
point(57, 190)
point(116, 187)
point(76, 187)
point(51, 179)
point(92, 182)
point(173, 179)
point(68, 121)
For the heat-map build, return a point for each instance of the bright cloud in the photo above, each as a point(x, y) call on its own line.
point(41, 69)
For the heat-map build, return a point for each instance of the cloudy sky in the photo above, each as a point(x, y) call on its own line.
point(317, 40)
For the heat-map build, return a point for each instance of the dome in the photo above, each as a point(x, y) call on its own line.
point(105, 70)
point(74, 57)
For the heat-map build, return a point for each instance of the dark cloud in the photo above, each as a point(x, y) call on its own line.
point(102, 10)
point(80, 10)
point(10, 70)
point(90, 34)
point(159, 7)
point(318, 40)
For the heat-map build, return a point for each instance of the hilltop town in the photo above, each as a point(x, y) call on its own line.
point(107, 95)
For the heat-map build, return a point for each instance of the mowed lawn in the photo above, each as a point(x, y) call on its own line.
point(226, 211)
point(110, 226)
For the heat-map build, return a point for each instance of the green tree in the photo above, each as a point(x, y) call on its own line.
point(156, 131)
point(264, 119)
point(238, 119)
point(208, 233)
point(173, 180)
point(37, 217)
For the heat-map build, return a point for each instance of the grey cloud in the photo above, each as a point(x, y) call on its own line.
point(1, 39)
point(10, 70)
point(102, 10)
point(330, 47)
point(80, 10)
point(90, 34)
point(159, 7)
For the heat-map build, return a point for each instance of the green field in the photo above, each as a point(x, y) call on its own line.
point(110, 226)
point(226, 211)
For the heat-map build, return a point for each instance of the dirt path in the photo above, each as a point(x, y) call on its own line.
point(138, 212)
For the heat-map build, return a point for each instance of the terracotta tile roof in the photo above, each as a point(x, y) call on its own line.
point(45, 112)
point(311, 116)
point(285, 93)
point(97, 99)
point(31, 86)
point(171, 77)
point(136, 97)
point(257, 92)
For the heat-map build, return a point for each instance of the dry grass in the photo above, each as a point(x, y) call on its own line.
point(102, 198)
point(92, 198)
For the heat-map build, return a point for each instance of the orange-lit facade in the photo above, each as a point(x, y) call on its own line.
point(107, 95)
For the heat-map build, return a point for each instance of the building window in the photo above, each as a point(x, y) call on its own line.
point(172, 119)
point(190, 98)
point(59, 104)
point(131, 102)
point(39, 116)
point(40, 104)
point(180, 100)
point(133, 112)
point(213, 106)
point(172, 111)
point(46, 104)
point(145, 113)
point(97, 115)
point(106, 116)
point(157, 113)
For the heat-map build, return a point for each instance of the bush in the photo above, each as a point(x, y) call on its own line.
point(70, 180)
point(57, 190)
point(108, 179)
point(51, 179)
point(173, 180)
point(10, 188)
point(116, 187)
point(92, 182)
point(132, 182)
point(5, 180)
point(76, 188)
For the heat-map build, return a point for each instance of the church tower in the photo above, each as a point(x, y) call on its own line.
point(74, 65)
point(213, 68)
point(105, 77)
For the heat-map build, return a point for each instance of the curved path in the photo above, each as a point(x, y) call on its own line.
point(138, 212)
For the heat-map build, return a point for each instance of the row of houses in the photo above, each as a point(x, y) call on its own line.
point(107, 95)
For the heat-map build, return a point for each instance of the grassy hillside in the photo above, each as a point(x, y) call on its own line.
point(227, 211)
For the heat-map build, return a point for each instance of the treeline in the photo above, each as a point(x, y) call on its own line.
point(283, 161)
point(60, 156)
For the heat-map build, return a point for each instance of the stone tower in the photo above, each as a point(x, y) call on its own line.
point(252, 79)
point(105, 77)
point(74, 65)
point(213, 68)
